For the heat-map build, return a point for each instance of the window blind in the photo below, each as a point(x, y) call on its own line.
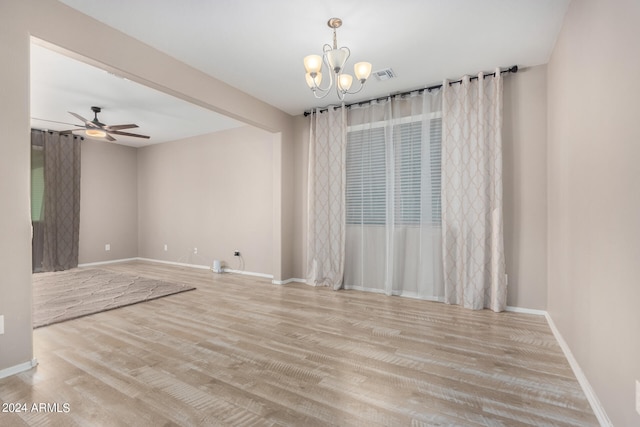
point(435, 168)
point(367, 173)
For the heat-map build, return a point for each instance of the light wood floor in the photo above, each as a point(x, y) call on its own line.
point(241, 351)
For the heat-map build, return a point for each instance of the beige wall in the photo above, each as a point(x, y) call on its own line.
point(108, 202)
point(86, 39)
point(525, 186)
point(15, 226)
point(214, 193)
point(594, 197)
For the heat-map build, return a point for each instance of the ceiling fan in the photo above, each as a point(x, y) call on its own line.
point(96, 129)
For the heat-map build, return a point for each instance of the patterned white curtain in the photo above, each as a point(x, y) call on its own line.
point(473, 251)
point(326, 198)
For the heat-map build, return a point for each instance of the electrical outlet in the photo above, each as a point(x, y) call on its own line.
point(1, 324)
point(236, 253)
point(107, 247)
point(638, 396)
point(166, 248)
point(195, 251)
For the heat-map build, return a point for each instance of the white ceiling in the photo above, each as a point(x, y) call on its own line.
point(257, 46)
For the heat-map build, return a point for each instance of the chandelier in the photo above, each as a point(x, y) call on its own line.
point(334, 59)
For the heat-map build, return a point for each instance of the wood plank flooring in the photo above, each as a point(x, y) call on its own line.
point(240, 351)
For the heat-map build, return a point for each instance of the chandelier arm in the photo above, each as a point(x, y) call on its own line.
point(315, 94)
point(331, 72)
point(348, 53)
point(316, 87)
point(359, 89)
point(339, 90)
point(324, 91)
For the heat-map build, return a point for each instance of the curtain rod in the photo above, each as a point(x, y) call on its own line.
point(512, 69)
point(51, 132)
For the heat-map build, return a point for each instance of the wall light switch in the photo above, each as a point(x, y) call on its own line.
point(1, 324)
point(107, 247)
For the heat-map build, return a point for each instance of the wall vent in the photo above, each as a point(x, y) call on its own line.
point(385, 74)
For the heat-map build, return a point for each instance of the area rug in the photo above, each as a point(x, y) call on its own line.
point(75, 293)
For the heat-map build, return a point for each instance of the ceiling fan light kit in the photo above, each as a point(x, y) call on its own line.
point(334, 58)
point(95, 133)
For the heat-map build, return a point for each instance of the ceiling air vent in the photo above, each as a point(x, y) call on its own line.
point(385, 74)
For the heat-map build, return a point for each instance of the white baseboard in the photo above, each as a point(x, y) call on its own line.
point(113, 261)
point(248, 273)
point(207, 267)
point(526, 310)
point(12, 370)
point(597, 407)
point(285, 282)
point(412, 295)
point(183, 264)
point(178, 264)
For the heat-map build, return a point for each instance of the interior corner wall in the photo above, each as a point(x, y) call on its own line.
point(212, 193)
point(284, 202)
point(594, 197)
point(108, 202)
point(524, 139)
point(300, 169)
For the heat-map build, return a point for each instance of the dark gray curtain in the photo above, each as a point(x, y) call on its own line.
point(61, 207)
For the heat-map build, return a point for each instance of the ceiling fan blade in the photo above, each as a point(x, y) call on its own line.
point(109, 137)
point(117, 132)
point(55, 121)
point(119, 127)
point(87, 123)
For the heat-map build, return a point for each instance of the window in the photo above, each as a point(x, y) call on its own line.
point(367, 173)
point(37, 183)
